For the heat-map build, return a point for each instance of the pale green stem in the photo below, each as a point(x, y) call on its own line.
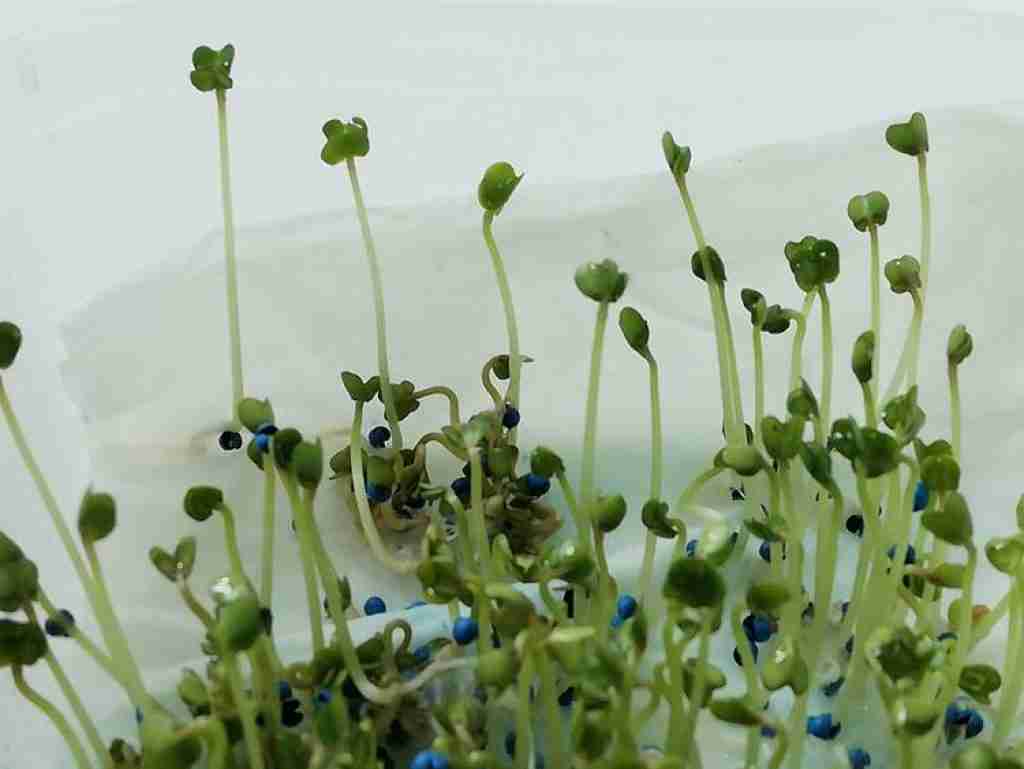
point(231, 545)
point(986, 624)
point(699, 683)
point(71, 695)
point(230, 264)
point(926, 219)
point(447, 392)
point(88, 645)
point(826, 358)
point(797, 728)
point(758, 385)
point(250, 731)
point(554, 747)
point(749, 666)
point(49, 501)
point(781, 746)
point(870, 413)
point(478, 526)
point(651, 542)
point(907, 367)
point(825, 571)
point(906, 753)
point(391, 412)
point(485, 380)
point(462, 530)
point(1009, 701)
point(397, 565)
point(695, 486)
point(954, 407)
point(677, 712)
point(796, 364)
point(213, 731)
point(113, 633)
point(267, 551)
point(515, 362)
point(593, 388)
point(579, 517)
point(734, 377)
point(192, 602)
point(56, 717)
point(524, 716)
point(876, 301)
point(307, 554)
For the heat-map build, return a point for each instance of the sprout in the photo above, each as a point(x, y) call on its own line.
point(497, 185)
point(715, 264)
point(345, 141)
point(201, 501)
point(952, 523)
point(910, 138)
point(960, 345)
point(903, 274)
point(678, 158)
point(212, 69)
point(255, 414)
point(863, 356)
point(695, 583)
point(308, 462)
point(544, 461)
point(635, 329)
point(756, 305)
point(97, 516)
point(10, 343)
point(870, 210)
point(358, 390)
point(601, 281)
point(607, 512)
point(813, 261)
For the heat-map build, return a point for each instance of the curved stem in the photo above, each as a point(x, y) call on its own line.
point(515, 362)
point(267, 550)
point(231, 545)
point(795, 364)
point(250, 731)
point(694, 487)
point(200, 611)
point(397, 565)
point(56, 717)
point(447, 392)
point(870, 414)
point(230, 264)
point(391, 412)
point(826, 358)
point(88, 645)
point(657, 464)
point(77, 707)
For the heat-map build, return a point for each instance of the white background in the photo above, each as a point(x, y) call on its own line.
point(108, 159)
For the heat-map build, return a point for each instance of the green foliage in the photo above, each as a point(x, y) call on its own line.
point(497, 185)
point(10, 343)
point(345, 141)
point(813, 261)
point(601, 281)
point(97, 516)
point(911, 137)
point(634, 329)
point(211, 70)
point(869, 210)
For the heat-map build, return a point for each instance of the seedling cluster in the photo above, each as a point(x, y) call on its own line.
point(550, 661)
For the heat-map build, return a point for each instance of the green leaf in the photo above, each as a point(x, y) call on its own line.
point(695, 583)
point(212, 69)
point(715, 264)
point(592, 733)
point(201, 501)
point(634, 329)
point(678, 158)
point(1006, 553)
point(240, 622)
point(879, 452)
point(768, 597)
point(497, 668)
point(358, 390)
point(601, 281)
point(914, 718)
point(714, 679)
point(910, 138)
point(9, 550)
point(744, 460)
point(193, 693)
point(870, 210)
point(405, 404)
point(980, 681)
point(655, 517)
point(607, 513)
point(254, 413)
point(976, 755)
point(900, 653)
point(863, 356)
point(308, 463)
point(903, 274)
point(735, 710)
point(756, 306)
point(801, 402)
point(818, 463)
point(544, 461)
point(567, 561)
point(772, 530)
point(951, 575)
point(164, 562)
point(497, 185)
point(786, 667)
point(10, 343)
point(1020, 513)
point(940, 473)
point(283, 445)
point(776, 320)
point(902, 415)
point(813, 261)
point(952, 523)
point(782, 440)
point(960, 345)
point(21, 643)
point(97, 516)
point(345, 140)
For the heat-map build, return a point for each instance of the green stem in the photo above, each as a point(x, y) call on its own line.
point(113, 633)
point(391, 412)
point(524, 721)
point(307, 555)
point(578, 516)
point(781, 746)
point(554, 746)
point(88, 645)
point(489, 386)
point(908, 358)
point(593, 387)
point(230, 264)
point(758, 384)
point(193, 604)
point(695, 486)
point(870, 413)
point(926, 219)
point(77, 707)
point(734, 377)
point(49, 501)
point(825, 571)
point(250, 731)
point(447, 392)
point(231, 545)
point(797, 729)
point(826, 358)
point(906, 753)
point(50, 711)
point(216, 737)
point(477, 522)
point(651, 541)
point(954, 407)
point(462, 530)
point(876, 304)
point(267, 551)
point(1013, 670)
point(699, 683)
point(677, 711)
point(796, 365)
point(399, 566)
point(749, 666)
point(515, 362)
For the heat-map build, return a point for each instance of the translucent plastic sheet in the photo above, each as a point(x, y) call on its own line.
point(147, 360)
